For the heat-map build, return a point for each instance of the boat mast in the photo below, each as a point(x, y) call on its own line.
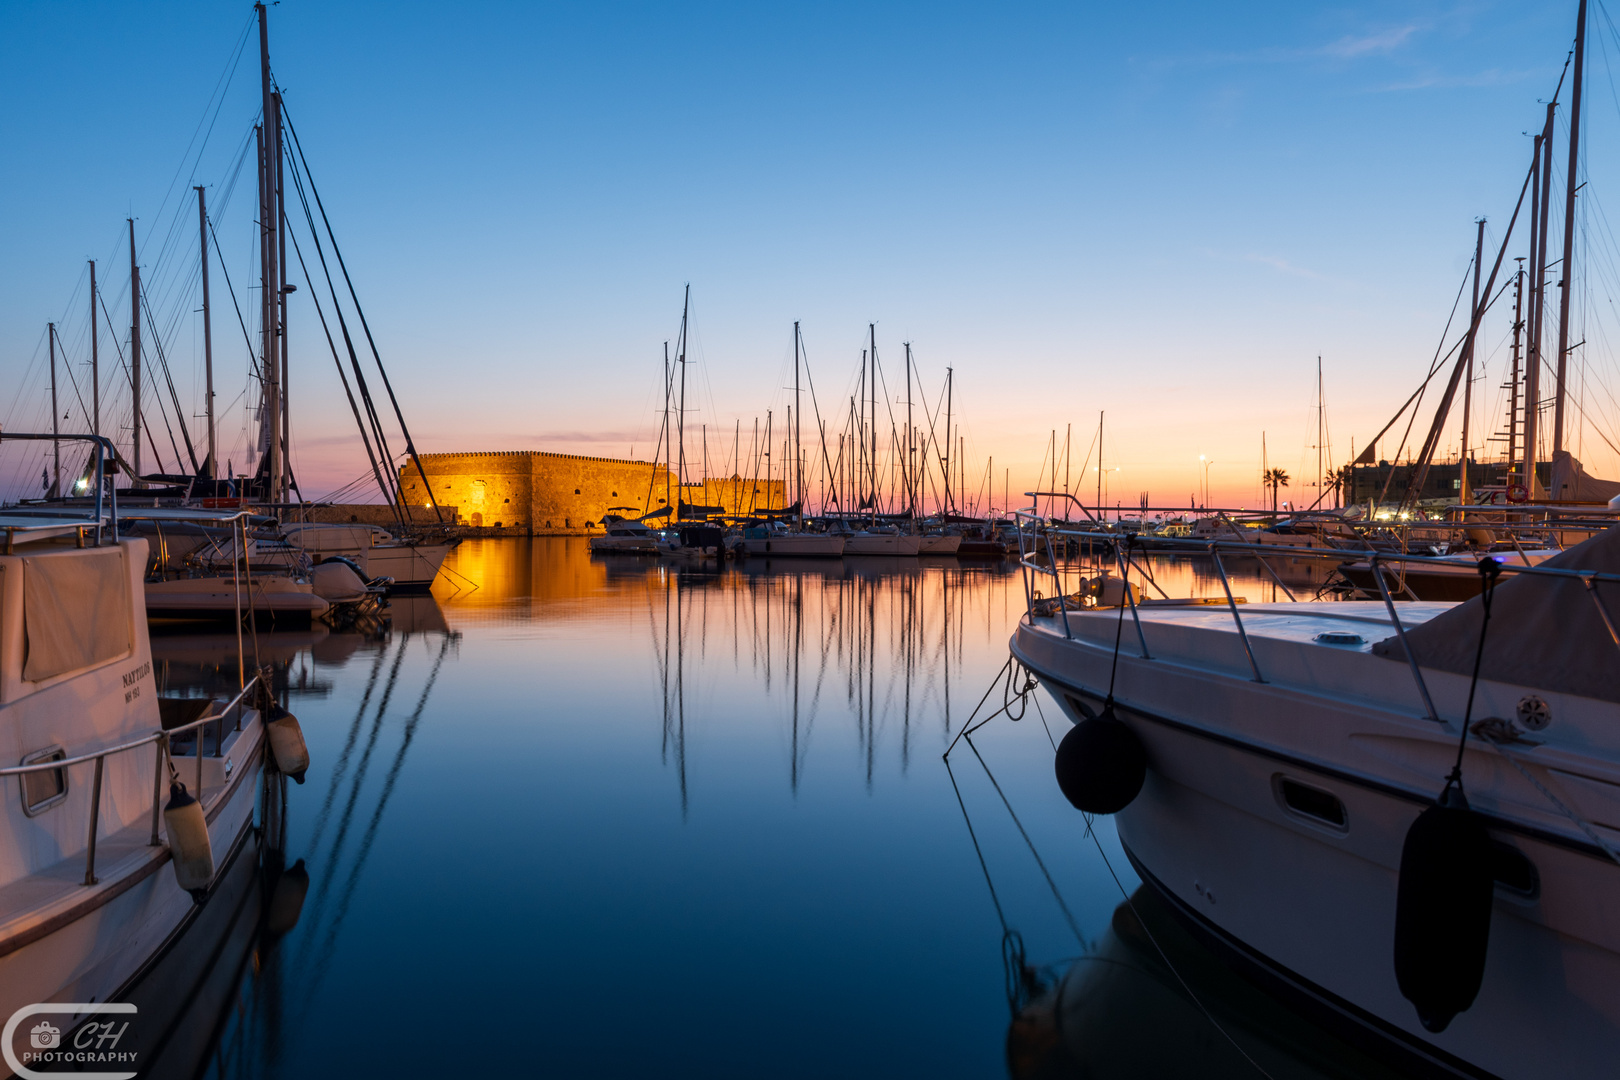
point(1100, 464)
point(1468, 368)
point(948, 502)
point(282, 289)
point(1513, 383)
point(1566, 272)
point(667, 432)
point(1542, 180)
point(209, 464)
point(1321, 425)
point(798, 444)
point(872, 330)
point(680, 411)
point(911, 466)
point(56, 419)
point(269, 271)
point(135, 355)
point(95, 360)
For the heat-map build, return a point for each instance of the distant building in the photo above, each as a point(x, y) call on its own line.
point(536, 493)
point(1444, 480)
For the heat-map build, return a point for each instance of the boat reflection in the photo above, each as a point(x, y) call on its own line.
point(1148, 1000)
point(876, 642)
point(233, 987)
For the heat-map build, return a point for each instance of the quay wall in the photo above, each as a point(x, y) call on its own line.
point(537, 493)
point(370, 514)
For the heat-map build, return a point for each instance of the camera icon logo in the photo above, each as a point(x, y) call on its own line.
point(44, 1037)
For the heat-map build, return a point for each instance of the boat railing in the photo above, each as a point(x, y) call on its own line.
point(1036, 538)
point(163, 739)
point(17, 518)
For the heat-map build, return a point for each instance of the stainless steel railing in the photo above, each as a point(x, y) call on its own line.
point(1033, 530)
point(163, 740)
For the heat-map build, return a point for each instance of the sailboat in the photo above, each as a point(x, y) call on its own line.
point(774, 537)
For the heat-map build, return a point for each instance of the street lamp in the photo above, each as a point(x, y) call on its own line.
point(1207, 464)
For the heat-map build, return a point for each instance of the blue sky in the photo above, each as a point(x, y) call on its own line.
point(1166, 212)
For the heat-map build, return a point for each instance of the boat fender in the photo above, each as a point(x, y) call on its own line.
point(287, 899)
point(189, 847)
point(1100, 764)
point(287, 743)
point(1443, 910)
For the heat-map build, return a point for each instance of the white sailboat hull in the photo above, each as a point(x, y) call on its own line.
point(938, 544)
point(882, 544)
point(799, 545)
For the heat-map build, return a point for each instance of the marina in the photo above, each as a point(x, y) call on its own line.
point(408, 668)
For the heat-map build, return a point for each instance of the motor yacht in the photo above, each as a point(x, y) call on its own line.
point(624, 537)
point(1285, 752)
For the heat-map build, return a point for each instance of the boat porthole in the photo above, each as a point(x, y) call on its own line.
point(1514, 873)
point(1311, 804)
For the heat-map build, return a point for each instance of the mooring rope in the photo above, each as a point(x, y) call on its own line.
point(1012, 942)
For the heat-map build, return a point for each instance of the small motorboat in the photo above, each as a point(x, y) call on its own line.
point(624, 537)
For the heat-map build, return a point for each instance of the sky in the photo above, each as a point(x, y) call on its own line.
point(1160, 213)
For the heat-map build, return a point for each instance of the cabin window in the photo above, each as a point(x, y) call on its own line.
point(1312, 803)
point(1513, 872)
point(44, 789)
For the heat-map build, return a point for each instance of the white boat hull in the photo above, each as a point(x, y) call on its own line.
point(800, 545)
point(1313, 906)
point(275, 598)
point(938, 544)
point(882, 544)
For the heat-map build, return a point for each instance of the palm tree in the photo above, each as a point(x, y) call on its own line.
point(1274, 479)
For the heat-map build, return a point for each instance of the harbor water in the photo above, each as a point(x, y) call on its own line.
point(595, 816)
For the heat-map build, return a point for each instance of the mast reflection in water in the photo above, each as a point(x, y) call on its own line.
point(595, 816)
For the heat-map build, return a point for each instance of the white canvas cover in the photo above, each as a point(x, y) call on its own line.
point(1545, 632)
point(75, 611)
point(1572, 483)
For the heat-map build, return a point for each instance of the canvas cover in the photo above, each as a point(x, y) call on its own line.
point(1571, 483)
point(75, 611)
point(1545, 632)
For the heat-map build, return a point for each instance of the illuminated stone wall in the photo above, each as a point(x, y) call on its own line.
point(537, 493)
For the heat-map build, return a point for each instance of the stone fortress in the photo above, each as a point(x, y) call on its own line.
point(534, 493)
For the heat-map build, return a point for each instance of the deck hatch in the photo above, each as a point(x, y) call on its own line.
point(1302, 800)
point(44, 789)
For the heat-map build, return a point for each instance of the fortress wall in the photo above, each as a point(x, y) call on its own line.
point(543, 494)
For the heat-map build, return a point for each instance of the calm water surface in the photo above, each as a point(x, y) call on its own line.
point(587, 816)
